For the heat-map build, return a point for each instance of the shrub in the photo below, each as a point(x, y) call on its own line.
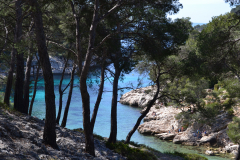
point(233, 131)
point(216, 87)
point(147, 91)
point(130, 153)
point(187, 156)
point(230, 112)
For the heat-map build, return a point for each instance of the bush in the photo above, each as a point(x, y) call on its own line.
point(216, 87)
point(148, 91)
point(233, 131)
point(130, 153)
point(230, 112)
point(188, 156)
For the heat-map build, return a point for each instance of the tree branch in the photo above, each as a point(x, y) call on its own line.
point(109, 11)
point(50, 41)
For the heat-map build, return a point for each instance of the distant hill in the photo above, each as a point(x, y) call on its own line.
point(194, 24)
point(199, 26)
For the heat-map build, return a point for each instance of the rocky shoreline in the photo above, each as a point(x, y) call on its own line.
point(161, 120)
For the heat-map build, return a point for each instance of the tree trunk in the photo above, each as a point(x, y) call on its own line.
point(89, 141)
point(238, 153)
point(10, 78)
point(27, 81)
point(64, 121)
point(18, 93)
point(113, 134)
point(78, 37)
point(99, 97)
point(49, 135)
point(61, 93)
point(35, 90)
point(6, 37)
point(144, 113)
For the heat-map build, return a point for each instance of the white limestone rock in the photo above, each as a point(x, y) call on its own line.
point(160, 120)
point(210, 153)
point(138, 97)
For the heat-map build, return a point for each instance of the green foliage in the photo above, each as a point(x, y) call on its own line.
point(148, 91)
point(216, 87)
point(8, 108)
point(94, 135)
point(98, 137)
point(230, 112)
point(131, 153)
point(234, 130)
point(187, 156)
point(232, 86)
point(236, 10)
point(79, 130)
point(218, 46)
point(205, 106)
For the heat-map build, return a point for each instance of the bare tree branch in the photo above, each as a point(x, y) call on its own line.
point(60, 45)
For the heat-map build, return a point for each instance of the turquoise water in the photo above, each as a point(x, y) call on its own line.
point(127, 116)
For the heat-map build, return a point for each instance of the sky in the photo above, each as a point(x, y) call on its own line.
point(202, 11)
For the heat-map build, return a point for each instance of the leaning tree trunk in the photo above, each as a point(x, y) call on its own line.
point(61, 93)
point(18, 93)
point(64, 121)
point(113, 133)
point(10, 78)
point(34, 91)
point(144, 113)
point(49, 134)
point(27, 81)
point(99, 97)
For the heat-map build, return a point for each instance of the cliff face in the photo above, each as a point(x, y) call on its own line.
point(161, 122)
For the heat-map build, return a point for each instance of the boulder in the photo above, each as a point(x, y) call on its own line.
point(165, 136)
point(231, 148)
point(210, 153)
point(210, 138)
point(138, 97)
point(160, 120)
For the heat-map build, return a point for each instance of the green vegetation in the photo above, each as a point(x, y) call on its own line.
point(148, 91)
point(234, 130)
point(131, 153)
point(94, 135)
point(187, 156)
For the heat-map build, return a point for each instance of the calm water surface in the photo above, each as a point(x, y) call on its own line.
point(127, 116)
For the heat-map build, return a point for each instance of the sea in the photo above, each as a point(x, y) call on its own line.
point(126, 115)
